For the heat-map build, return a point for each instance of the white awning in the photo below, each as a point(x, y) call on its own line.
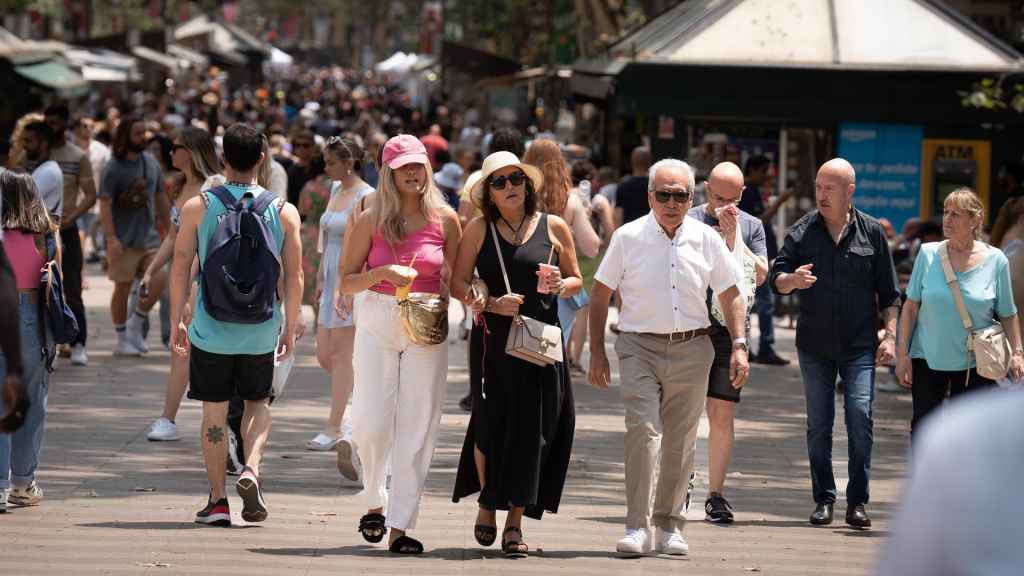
point(100, 74)
point(193, 58)
point(150, 55)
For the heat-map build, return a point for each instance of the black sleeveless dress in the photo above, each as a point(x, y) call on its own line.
point(523, 415)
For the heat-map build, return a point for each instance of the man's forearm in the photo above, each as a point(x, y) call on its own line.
point(179, 284)
point(783, 283)
point(293, 299)
point(107, 220)
point(890, 317)
point(736, 317)
point(599, 301)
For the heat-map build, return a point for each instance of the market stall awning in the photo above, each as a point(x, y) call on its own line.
point(55, 75)
point(193, 58)
point(842, 34)
point(101, 74)
point(160, 59)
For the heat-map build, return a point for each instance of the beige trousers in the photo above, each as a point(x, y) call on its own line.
point(664, 385)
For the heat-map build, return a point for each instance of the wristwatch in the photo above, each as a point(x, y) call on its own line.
point(740, 343)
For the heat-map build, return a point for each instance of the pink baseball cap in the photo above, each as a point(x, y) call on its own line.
point(404, 149)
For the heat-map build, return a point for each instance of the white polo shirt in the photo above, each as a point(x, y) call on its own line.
point(664, 281)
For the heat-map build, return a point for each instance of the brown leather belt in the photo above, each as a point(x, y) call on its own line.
point(679, 336)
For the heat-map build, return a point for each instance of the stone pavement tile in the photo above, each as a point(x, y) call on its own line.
point(117, 504)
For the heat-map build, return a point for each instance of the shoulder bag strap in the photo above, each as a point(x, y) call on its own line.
point(954, 286)
point(501, 259)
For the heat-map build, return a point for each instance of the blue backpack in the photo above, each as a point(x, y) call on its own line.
point(243, 261)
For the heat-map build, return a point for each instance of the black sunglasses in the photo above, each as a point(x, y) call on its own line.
point(662, 196)
point(515, 178)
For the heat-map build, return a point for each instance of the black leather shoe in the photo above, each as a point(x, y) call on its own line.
point(770, 358)
point(857, 517)
point(822, 514)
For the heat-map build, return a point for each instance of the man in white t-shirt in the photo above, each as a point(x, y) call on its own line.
point(36, 140)
point(662, 265)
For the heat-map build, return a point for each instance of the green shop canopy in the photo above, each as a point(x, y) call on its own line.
point(56, 76)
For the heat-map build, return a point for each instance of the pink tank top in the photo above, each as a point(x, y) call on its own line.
point(428, 246)
point(25, 259)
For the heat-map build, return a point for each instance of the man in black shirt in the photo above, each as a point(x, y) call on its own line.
point(838, 257)
point(631, 196)
point(303, 170)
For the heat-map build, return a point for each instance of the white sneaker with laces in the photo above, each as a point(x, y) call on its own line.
point(30, 495)
point(123, 348)
point(133, 332)
point(163, 430)
point(671, 543)
point(79, 357)
point(636, 542)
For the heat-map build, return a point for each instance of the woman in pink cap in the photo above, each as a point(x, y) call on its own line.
point(407, 238)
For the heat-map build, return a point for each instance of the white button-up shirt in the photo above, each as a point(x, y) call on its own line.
point(664, 281)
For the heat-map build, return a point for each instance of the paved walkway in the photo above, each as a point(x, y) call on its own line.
point(117, 504)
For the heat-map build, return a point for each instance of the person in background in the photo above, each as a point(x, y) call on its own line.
point(933, 358)
point(195, 156)
point(131, 192)
point(37, 141)
point(757, 173)
point(556, 198)
point(371, 165)
point(449, 181)
point(435, 143)
point(631, 194)
point(724, 188)
point(399, 385)
point(335, 329)
point(99, 154)
point(78, 183)
point(838, 257)
point(606, 184)
point(313, 200)
point(304, 169)
point(26, 227)
point(14, 401)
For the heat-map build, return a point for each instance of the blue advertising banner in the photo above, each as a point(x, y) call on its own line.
point(887, 158)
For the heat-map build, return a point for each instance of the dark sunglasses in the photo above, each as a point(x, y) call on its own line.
point(515, 179)
point(662, 196)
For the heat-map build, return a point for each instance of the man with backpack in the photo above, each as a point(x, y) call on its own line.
point(249, 252)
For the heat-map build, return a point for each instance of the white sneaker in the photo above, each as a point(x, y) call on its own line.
point(79, 357)
point(3, 500)
point(123, 348)
point(671, 543)
point(163, 430)
point(323, 443)
point(637, 542)
point(30, 495)
point(133, 332)
point(349, 465)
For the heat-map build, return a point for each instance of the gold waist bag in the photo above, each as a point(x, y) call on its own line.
point(425, 318)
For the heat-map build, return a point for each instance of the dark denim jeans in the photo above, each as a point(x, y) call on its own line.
point(764, 304)
point(857, 372)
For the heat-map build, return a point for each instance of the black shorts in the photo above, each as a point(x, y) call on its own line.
point(218, 377)
point(719, 383)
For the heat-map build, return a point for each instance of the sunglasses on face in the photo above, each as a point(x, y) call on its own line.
point(663, 196)
point(515, 179)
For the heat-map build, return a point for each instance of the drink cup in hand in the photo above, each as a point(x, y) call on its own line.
point(402, 292)
point(542, 278)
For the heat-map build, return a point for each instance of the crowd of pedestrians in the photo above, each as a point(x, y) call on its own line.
point(231, 213)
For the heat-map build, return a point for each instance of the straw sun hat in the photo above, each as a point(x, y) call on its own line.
point(496, 162)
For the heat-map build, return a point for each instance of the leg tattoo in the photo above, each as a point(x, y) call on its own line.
point(215, 434)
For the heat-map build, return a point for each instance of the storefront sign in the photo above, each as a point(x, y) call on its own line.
point(951, 164)
point(887, 159)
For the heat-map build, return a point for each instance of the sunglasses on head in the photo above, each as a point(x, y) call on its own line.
point(515, 178)
point(663, 196)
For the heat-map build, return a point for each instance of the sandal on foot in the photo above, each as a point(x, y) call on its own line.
point(514, 548)
point(372, 527)
point(485, 535)
point(406, 545)
point(323, 443)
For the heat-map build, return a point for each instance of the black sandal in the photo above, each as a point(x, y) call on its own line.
point(406, 545)
point(372, 527)
point(485, 535)
point(514, 548)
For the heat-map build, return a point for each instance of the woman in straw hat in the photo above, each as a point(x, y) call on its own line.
point(517, 447)
point(406, 240)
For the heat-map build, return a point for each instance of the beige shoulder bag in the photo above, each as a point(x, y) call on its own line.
point(531, 340)
point(989, 345)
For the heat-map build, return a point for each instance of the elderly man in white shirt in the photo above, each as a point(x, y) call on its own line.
point(662, 264)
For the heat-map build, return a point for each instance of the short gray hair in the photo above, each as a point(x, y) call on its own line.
point(691, 181)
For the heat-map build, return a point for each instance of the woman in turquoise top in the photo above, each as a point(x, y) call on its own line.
point(932, 354)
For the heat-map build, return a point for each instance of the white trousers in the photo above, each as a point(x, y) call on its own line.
point(396, 408)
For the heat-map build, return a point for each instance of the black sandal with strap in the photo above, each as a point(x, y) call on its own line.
point(406, 545)
point(485, 535)
point(514, 548)
point(372, 527)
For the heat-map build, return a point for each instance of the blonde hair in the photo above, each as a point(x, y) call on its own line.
point(554, 193)
point(388, 203)
point(967, 200)
point(17, 154)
